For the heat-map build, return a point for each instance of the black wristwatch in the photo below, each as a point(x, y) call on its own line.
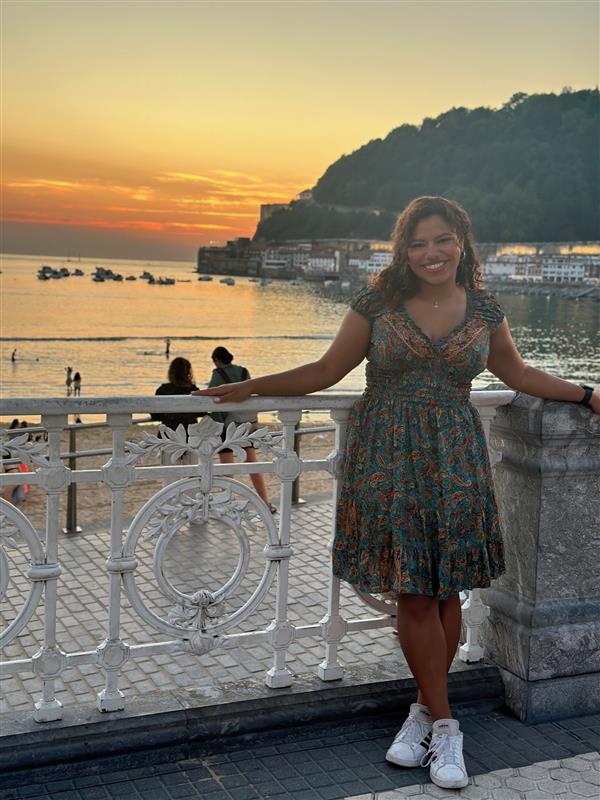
point(585, 400)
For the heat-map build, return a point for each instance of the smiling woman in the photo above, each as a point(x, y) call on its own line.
point(416, 515)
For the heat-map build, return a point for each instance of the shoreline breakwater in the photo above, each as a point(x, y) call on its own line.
point(572, 291)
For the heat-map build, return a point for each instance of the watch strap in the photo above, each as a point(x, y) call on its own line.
point(585, 400)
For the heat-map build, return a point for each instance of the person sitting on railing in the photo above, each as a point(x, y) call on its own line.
point(417, 516)
point(180, 381)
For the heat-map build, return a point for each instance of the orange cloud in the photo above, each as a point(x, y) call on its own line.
point(199, 205)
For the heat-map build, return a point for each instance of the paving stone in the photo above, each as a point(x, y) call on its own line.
point(504, 793)
point(533, 772)
point(520, 784)
point(582, 789)
point(577, 764)
point(473, 792)
point(437, 791)
point(553, 787)
point(491, 781)
point(564, 775)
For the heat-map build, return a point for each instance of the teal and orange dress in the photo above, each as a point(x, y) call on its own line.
point(417, 513)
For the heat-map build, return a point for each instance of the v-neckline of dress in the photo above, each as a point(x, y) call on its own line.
point(450, 334)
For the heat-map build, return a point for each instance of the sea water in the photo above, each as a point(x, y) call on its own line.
point(114, 333)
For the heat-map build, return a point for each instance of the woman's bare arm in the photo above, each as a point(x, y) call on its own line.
point(505, 362)
point(347, 350)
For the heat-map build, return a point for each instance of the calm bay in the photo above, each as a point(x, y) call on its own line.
point(113, 333)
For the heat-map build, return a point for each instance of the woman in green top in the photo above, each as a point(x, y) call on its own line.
point(226, 371)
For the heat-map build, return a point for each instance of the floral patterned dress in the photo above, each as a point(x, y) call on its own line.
point(417, 512)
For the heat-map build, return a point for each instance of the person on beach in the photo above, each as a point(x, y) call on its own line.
point(167, 347)
point(417, 516)
point(69, 379)
point(13, 355)
point(77, 384)
point(226, 372)
point(180, 380)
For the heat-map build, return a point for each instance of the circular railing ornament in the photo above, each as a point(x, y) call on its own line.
point(199, 616)
point(15, 529)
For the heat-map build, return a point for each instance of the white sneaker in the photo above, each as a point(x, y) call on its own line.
point(412, 740)
point(447, 765)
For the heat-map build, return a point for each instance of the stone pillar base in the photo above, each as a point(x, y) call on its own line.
point(556, 698)
point(543, 631)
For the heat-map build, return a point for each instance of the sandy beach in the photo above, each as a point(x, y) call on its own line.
point(94, 499)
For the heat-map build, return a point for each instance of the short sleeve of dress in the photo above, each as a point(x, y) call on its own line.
point(489, 309)
point(366, 304)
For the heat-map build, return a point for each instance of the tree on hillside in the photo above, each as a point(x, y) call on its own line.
point(527, 171)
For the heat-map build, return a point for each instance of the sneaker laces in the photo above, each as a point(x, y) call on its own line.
point(445, 749)
point(412, 730)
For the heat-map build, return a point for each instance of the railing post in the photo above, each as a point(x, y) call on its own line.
point(50, 661)
point(281, 630)
point(113, 653)
point(333, 625)
point(71, 522)
point(296, 499)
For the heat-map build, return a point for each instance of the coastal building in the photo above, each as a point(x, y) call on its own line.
point(378, 260)
point(359, 260)
point(546, 268)
point(323, 262)
point(238, 257)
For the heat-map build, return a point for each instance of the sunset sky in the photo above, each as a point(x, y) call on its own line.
point(145, 129)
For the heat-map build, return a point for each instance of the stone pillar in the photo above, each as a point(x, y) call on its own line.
point(544, 628)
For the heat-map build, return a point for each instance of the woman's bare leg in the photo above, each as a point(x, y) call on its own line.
point(450, 616)
point(425, 648)
point(257, 478)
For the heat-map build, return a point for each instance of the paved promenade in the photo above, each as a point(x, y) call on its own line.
point(202, 555)
point(345, 759)
point(337, 760)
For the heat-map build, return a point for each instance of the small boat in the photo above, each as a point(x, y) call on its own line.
point(227, 281)
point(131, 278)
point(97, 278)
point(78, 272)
point(205, 277)
point(166, 281)
point(146, 275)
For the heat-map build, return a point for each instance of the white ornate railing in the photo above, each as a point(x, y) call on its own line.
point(200, 494)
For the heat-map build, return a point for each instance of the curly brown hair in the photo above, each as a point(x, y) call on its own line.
point(180, 372)
point(397, 282)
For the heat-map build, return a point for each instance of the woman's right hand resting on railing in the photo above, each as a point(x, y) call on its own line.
point(346, 352)
point(227, 392)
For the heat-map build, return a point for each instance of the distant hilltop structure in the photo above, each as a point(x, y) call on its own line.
point(268, 209)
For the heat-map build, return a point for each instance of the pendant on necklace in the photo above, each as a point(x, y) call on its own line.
point(436, 303)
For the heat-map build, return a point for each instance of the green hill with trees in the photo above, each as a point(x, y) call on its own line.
point(528, 171)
